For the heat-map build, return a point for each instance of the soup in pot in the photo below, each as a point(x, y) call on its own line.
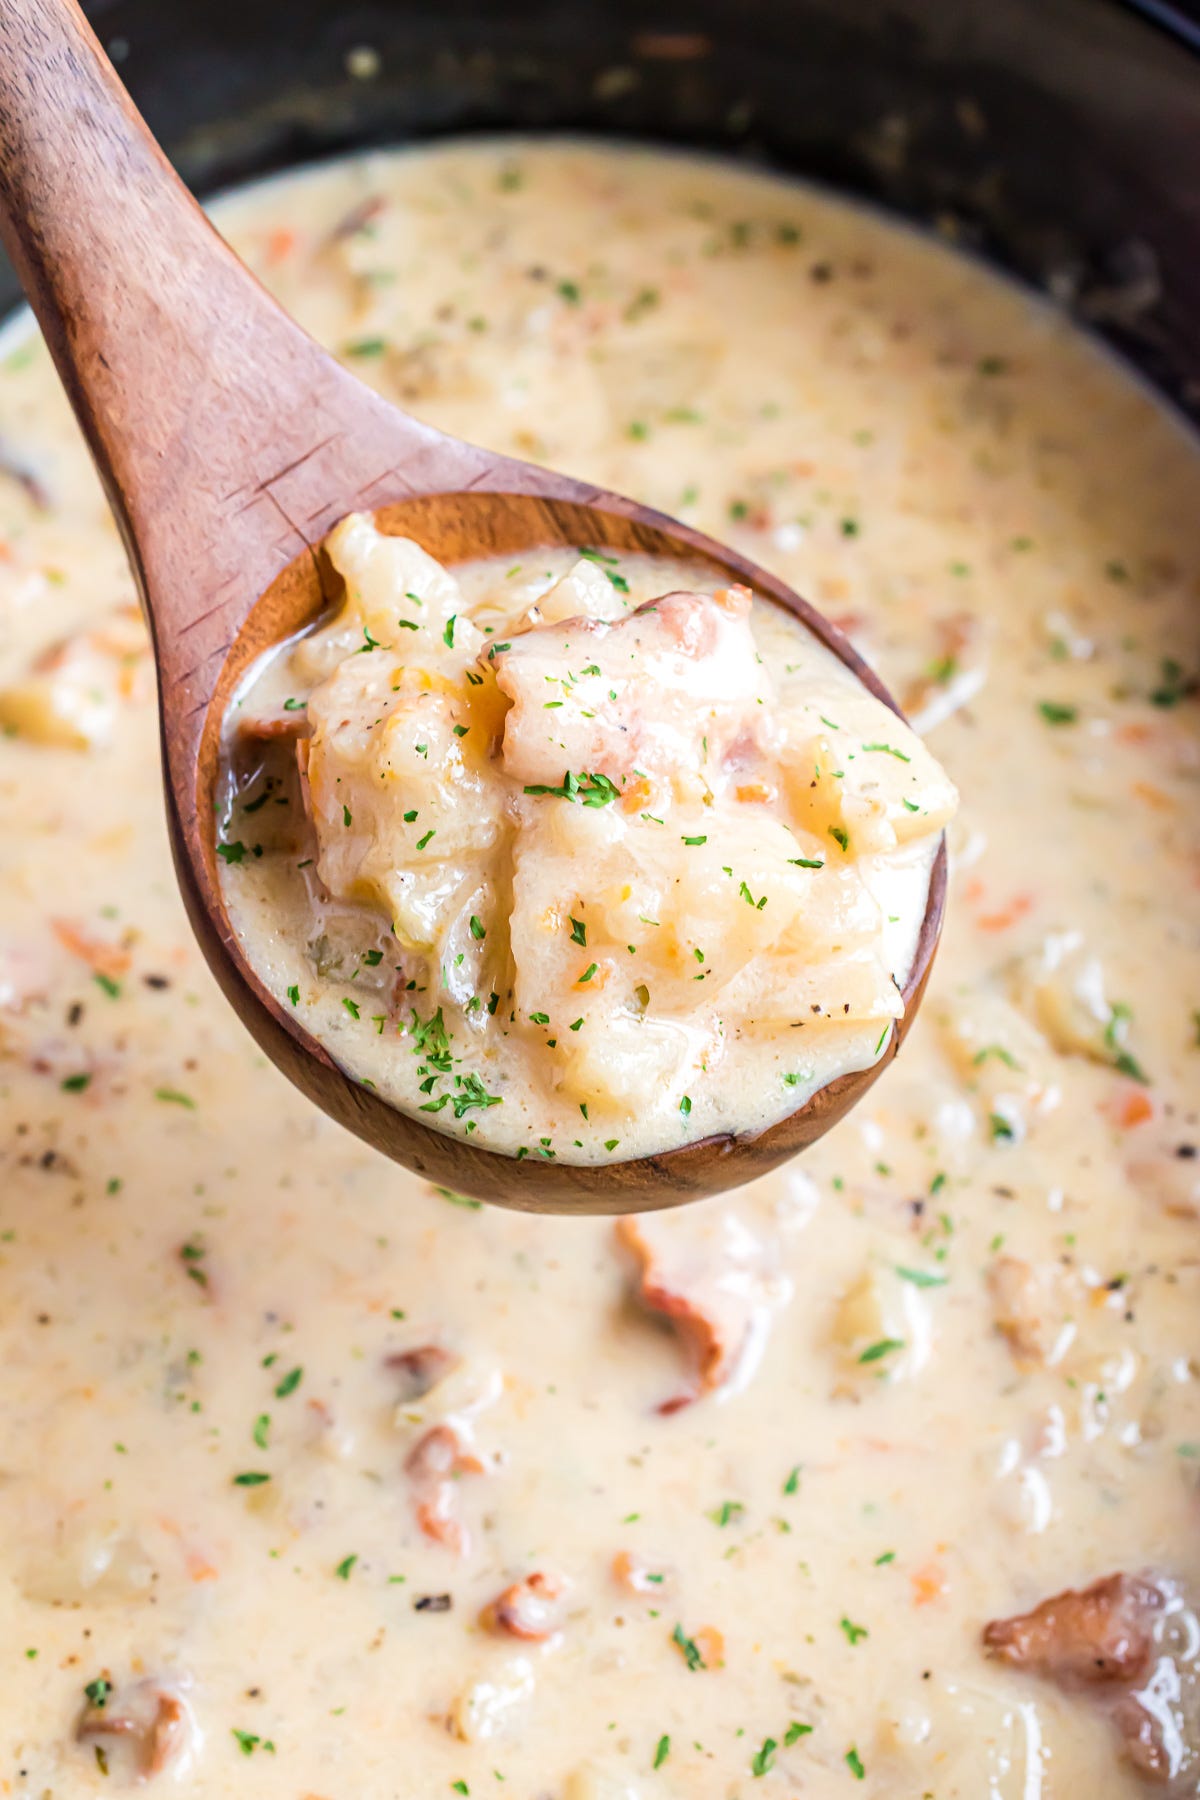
point(879, 1476)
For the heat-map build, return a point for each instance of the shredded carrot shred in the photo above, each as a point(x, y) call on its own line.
point(1017, 908)
point(104, 959)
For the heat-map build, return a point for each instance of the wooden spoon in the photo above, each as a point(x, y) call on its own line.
point(229, 443)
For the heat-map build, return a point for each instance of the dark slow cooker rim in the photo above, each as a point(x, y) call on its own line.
point(1081, 189)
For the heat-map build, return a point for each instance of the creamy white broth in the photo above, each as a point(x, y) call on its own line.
point(460, 937)
point(1021, 531)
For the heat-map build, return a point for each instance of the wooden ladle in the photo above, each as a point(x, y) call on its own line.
point(229, 443)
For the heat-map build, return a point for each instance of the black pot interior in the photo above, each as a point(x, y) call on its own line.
point(1059, 137)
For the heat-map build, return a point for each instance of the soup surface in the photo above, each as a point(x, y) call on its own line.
point(583, 860)
point(316, 1482)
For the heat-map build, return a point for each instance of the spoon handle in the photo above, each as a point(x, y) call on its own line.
point(151, 321)
point(221, 431)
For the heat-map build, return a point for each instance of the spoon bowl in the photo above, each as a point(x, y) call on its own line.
point(230, 444)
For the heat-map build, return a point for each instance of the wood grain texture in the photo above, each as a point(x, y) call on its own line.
point(229, 443)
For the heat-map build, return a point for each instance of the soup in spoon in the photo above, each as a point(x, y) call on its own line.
point(576, 856)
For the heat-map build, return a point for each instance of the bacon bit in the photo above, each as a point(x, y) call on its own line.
point(718, 1304)
point(1018, 907)
point(421, 1369)
point(1132, 1106)
point(356, 219)
point(1102, 1641)
point(158, 1741)
point(280, 244)
point(636, 1578)
point(531, 1609)
point(102, 958)
point(266, 728)
point(1083, 1638)
point(434, 1465)
point(929, 1584)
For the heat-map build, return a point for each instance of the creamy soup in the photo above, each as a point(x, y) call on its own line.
point(575, 860)
point(317, 1482)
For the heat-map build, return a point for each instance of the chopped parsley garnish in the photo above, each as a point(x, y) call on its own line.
point(347, 815)
point(854, 1633)
point(691, 841)
point(792, 1483)
point(587, 974)
point(685, 1104)
point(889, 750)
point(999, 1128)
point(97, 1692)
point(478, 931)
point(689, 1648)
point(590, 789)
point(293, 995)
point(920, 1277)
point(344, 1567)
point(806, 862)
point(1056, 713)
point(290, 1382)
point(575, 1024)
point(764, 1757)
point(232, 853)
point(111, 988)
point(351, 1006)
point(251, 1478)
point(173, 1097)
point(854, 1763)
point(727, 1512)
point(662, 1750)
point(427, 839)
point(795, 1731)
point(249, 1741)
point(839, 836)
point(75, 1084)
point(448, 633)
point(293, 705)
point(579, 933)
point(539, 1018)
point(882, 1347)
point(262, 1426)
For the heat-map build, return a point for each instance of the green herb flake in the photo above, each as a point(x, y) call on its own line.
point(1056, 713)
point(882, 1347)
point(662, 1750)
point(764, 1757)
point(345, 1566)
point(920, 1277)
point(854, 1763)
point(288, 1385)
point(251, 1478)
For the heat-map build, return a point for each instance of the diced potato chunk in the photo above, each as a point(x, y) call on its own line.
point(660, 693)
point(858, 775)
point(72, 694)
